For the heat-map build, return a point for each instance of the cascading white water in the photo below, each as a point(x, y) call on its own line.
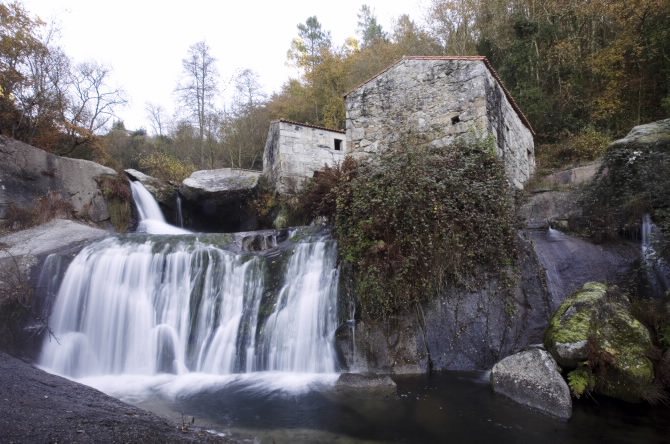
point(658, 271)
point(151, 219)
point(143, 306)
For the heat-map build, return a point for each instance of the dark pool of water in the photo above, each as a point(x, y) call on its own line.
point(457, 407)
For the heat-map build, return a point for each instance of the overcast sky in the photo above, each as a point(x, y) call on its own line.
point(144, 41)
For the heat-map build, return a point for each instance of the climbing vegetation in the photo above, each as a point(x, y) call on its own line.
point(417, 219)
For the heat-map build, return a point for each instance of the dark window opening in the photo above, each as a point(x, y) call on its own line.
point(455, 120)
point(338, 144)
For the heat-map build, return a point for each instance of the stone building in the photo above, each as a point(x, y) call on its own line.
point(439, 100)
point(294, 151)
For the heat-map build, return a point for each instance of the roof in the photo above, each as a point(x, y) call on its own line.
point(308, 125)
point(483, 59)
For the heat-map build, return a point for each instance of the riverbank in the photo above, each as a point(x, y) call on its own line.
point(36, 406)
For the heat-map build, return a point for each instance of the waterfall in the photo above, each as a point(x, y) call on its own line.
point(147, 305)
point(658, 271)
point(151, 219)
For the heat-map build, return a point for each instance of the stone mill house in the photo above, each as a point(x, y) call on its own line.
point(440, 99)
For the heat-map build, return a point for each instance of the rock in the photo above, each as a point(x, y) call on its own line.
point(357, 381)
point(39, 407)
point(550, 209)
point(568, 332)
point(458, 330)
point(594, 332)
point(651, 135)
point(28, 173)
point(569, 262)
point(162, 190)
point(220, 185)
point(219, 200)
point(573, 176)
point(22, 255)
point(533, 379)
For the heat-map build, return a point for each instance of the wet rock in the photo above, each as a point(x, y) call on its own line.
point(21, 257)
point(357, 381)
point(458, 330)
point(39, 407)
point(594, 333)
point(533, 379)
point(570, 262)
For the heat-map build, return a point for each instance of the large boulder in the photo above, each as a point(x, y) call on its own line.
point(569, 262)
point(461, 329)
point(219, 200)
point(594, 333)
point(23, 269)
point(220, 185)
point(651, 135)
point(533, 379)
point(28, 173)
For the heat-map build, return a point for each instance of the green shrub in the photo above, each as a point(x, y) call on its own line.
point(166, 167)
point(418, 218)
point(588, 145)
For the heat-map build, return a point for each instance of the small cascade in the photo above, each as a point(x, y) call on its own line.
point(151, 217)
point(658, 271)
point(146, 305)
point(180, 212)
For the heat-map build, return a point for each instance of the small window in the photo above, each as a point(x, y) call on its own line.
point(338, 144)
point(455, 120)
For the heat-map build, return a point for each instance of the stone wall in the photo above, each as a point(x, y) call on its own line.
point(438, 100)
point(293, 152)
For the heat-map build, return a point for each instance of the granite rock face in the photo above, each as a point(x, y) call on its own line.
point(458, 330)
point(533, 379)
point(218, 185)
point(28, 173)
point(22, 269)
point(655, 134)
point(218, 200)
point(439, 101)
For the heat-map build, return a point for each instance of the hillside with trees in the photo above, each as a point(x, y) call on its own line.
point(583, 73)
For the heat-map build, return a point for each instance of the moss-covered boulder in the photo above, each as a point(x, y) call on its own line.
point(594, 333)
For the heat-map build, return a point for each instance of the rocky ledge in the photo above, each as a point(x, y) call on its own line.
point(36, 406)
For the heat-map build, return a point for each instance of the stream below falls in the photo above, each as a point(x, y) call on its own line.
point(236, 334)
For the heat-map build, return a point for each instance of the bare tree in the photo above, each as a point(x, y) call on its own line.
point(156, 114)
point(198, 89)
point(93, 102)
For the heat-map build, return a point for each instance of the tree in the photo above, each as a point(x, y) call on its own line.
point(453, 23)
point(198, 89)
point(156, 114)
point(44, 94)
point(18, 42)
point(243, 131)
point(93, 102)
point(306, 49)
point(370, 31)
point(412, 40)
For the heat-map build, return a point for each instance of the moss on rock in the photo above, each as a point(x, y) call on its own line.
point(595, 332)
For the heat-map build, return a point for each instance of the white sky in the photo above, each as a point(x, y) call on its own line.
point(144, 41)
